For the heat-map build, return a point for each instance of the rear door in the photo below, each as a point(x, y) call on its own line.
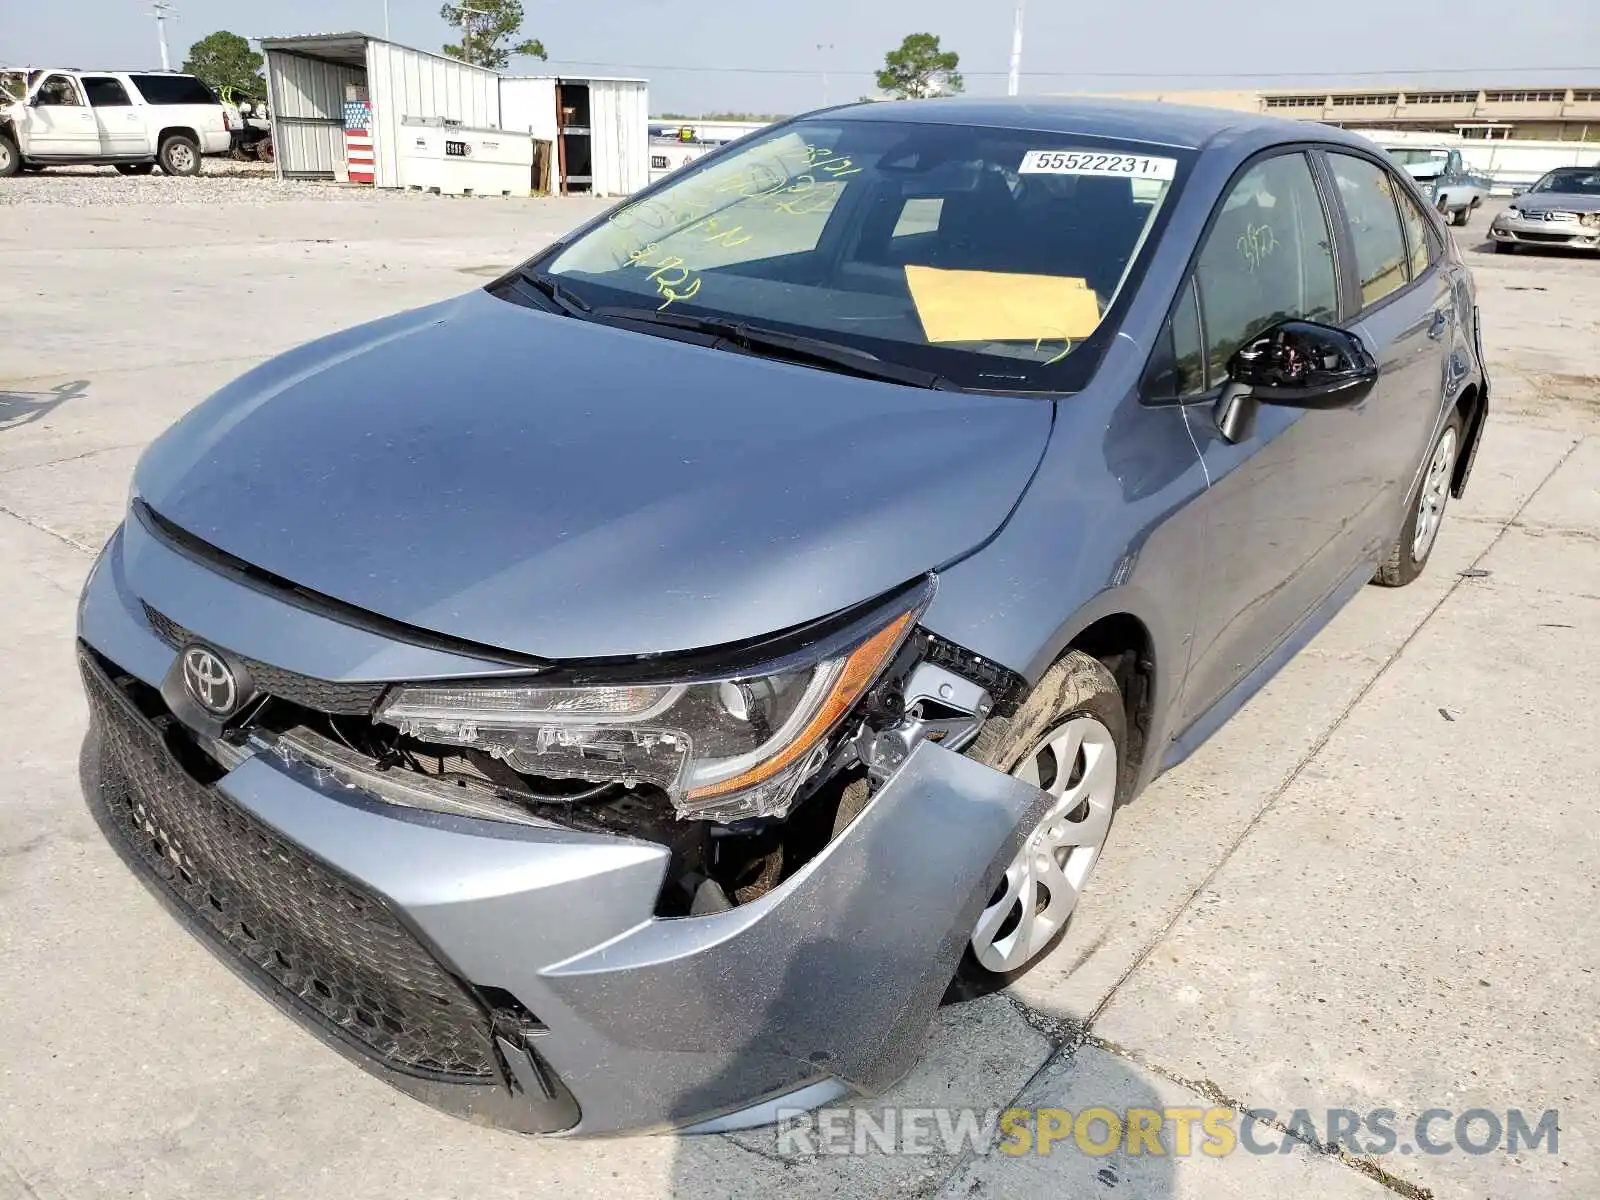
point(118, 120)
point(1405, 311)
point(60, 123)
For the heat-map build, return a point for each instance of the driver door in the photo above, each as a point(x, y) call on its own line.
point(60, 122)
point(1278, 514)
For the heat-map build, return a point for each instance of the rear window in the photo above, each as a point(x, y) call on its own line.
point(172, 89)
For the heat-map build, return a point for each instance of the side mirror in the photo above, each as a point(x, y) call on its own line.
point(1294, 364)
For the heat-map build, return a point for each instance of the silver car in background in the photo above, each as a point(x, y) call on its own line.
point(1562, 209)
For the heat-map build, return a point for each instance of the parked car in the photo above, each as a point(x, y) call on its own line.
point(135, 121)
point(1561, 209)
point(634, 694)
point(1444, 179)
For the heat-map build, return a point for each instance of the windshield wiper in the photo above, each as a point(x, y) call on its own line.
point(775, 343)
point(556, 293)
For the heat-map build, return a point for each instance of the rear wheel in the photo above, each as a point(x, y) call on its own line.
point(179, 155)
point(10, 158)
point(135, 168)
point(265, 151)
point(1068, 739)
point(1409, 553)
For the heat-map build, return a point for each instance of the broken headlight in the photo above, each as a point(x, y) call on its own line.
point(723, 749)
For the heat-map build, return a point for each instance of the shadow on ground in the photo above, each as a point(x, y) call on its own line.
point(21, 408)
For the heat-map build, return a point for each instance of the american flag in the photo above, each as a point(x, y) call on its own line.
point(358, 140)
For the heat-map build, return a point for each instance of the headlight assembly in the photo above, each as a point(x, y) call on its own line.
point(722, 748)
point(1513, 213)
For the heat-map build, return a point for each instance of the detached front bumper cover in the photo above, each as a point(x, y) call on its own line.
point(532, 953)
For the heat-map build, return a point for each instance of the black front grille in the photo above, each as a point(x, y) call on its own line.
point(1545, 237)
point(330, 948)
point(319, 695)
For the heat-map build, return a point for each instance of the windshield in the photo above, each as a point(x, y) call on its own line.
point(1584, 181)
point(987, 256)
point(1412, 157)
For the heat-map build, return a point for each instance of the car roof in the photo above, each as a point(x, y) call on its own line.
point(1177, 125)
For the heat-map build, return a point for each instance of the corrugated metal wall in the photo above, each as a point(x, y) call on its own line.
point(619, 114)
point(407, 83)
point(306, 96)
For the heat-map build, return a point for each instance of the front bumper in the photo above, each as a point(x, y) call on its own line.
point(515, 974)
point(1540, 232)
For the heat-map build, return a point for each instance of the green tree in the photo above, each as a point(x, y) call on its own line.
point(225, 60)
point(919, 69)
point(487, 29)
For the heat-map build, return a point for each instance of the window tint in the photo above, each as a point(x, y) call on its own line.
point(105, 92)
point(1419, 234)
point(1178, 369)
point(172, 89)
point(1268, 258)
point(58, 92)
point(1369, 199)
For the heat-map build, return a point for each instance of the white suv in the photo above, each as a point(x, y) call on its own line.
point(134, 121)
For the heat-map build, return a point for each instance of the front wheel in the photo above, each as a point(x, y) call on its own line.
point(1069, 739)
point(1461, 216)
point(10, 157)
point(179, 155)
point(1408, 555)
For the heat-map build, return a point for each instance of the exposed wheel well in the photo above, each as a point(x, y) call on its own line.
point(1470, 408)
point(1123, 644)
point(182, 131)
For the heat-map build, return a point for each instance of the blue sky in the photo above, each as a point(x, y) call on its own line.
point(783, 49)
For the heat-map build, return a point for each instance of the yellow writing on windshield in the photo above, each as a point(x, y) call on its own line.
point(999, 306)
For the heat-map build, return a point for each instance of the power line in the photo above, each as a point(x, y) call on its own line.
point(1240, 76)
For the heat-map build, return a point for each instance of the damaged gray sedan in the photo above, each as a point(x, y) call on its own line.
point(636, 694)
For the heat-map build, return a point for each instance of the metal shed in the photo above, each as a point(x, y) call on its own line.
point(307, 79)
point(600, 128)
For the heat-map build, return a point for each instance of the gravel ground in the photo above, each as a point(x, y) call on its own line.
point(221, 181)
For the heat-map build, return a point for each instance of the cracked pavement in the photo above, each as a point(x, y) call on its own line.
point(1375, 888)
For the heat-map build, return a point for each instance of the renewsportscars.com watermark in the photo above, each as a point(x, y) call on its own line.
point(1215, 1132)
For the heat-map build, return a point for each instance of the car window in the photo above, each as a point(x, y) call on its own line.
point(1572, 179)
point(105, 92)
point(1179, 365)
point(1268, 257)
point(172, 89)
point(58, 92)
point(988, 256)
point(1421, 248)
point(1369, 201)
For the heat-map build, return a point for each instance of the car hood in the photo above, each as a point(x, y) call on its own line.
point(568, 490)
point(1544, 202)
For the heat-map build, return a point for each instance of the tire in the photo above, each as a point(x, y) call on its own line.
point(265, 150)
point(10, 156)
point(178, 155)
point(1409, 553)
point(1077, 693)
point(135, 168)
point(1461, 216)
point(1505, 247)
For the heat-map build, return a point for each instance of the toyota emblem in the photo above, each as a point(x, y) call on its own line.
point(210, 681)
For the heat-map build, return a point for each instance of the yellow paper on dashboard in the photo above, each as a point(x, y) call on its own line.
point(997, 306)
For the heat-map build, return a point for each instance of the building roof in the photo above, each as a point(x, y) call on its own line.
point(1175, 125)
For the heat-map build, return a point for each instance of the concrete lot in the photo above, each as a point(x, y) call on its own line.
point(1376, 888)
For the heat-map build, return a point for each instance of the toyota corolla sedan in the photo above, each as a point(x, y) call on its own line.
point(1561, 209)
point(634, 695)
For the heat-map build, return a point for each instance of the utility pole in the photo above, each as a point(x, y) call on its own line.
point(1015, 79)
point(466, 30)
point(160, 10)
point(386, 20)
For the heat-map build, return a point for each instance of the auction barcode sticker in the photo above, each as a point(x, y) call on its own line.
point(1096, 162)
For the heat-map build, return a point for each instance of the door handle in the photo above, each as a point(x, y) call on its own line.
point(1441, 321)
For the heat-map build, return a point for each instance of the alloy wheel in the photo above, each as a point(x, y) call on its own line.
point(1076, 763)
point(1435, 495)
